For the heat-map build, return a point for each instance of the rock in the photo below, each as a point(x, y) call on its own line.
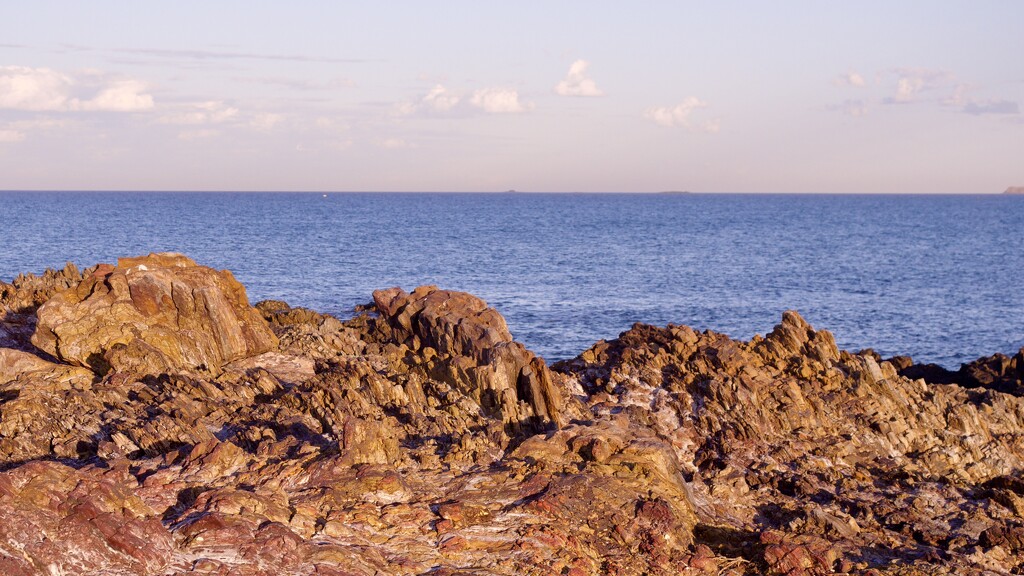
point(20, 299)
point(821, 451)
point(419, 438)
point(54, 519)
point(460, 340)
point(150, 315)
point(997, 372)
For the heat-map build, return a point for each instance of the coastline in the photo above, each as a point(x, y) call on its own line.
point(199, 426)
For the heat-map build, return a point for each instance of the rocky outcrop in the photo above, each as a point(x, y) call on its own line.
point(804, 459)
point(997, 372)
point(457, 339)
point(419, 438)
point(154, 314)
point(20, 299)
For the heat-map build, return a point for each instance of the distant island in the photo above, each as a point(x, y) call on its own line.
point(675, 192)
point(1014, 190)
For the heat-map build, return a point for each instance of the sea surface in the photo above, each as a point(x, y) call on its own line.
point(938, 277)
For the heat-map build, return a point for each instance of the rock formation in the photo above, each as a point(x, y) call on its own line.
point(456, 338)
point(162, 426)
point(153, 314)
point(997, 372)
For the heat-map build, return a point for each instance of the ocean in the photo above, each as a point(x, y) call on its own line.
point(937, 277)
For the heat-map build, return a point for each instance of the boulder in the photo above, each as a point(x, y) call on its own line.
point(150, 315)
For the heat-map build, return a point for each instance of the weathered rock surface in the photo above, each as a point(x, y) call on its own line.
point(153, 314)
point(165, 427)
point(456, 338)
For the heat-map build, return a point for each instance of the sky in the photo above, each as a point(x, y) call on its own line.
point(568, 96)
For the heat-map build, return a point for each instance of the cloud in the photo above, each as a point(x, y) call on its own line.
point(34, 89)
point(442, 102)
point(911, 82)
point(711, 126)
point(996, 107)
point(119, 96)
point(8, 136)
point(851, 78)
point(440, 99)
point(679, 115)
point(855, 108)
point(265, 121)
point(576, 83)
point(498, 101)
point(210, 112)
point(46, 90)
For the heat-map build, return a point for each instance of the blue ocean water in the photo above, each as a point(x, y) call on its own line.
point(936, 277)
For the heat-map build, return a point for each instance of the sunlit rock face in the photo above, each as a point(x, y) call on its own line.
point(457, 338)
point(152, 314)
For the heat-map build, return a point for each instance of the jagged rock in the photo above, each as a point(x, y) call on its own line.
point(306, 333)
point(20, 299)
point(458, 339)
point(150, 315)
point(423, 440)
point(996, 372)
point(813, 446)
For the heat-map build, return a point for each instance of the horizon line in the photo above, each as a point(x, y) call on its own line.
point(501, 192)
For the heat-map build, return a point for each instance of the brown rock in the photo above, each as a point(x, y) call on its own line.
point(151, 315)
point(474, 352)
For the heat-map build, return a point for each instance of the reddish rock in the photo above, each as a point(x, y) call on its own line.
point(424, 441)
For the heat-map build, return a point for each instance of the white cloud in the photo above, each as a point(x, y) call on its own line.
point(119, 96)
point(911, 82)
point(440, 99)
point(45, 90)
point(906, 87)
point(576, 83)
point(679, 115)
point(498, 101)
point(851, 78)
point(34, 89)
point(210, 112)
point(11, 136)
point(711, 126)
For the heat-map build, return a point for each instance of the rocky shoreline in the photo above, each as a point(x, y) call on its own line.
point(153, 422)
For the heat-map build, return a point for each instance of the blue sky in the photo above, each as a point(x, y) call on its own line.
point(480, 96)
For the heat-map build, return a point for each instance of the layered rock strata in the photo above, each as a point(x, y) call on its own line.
point(163, 426)
point(154, 314)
